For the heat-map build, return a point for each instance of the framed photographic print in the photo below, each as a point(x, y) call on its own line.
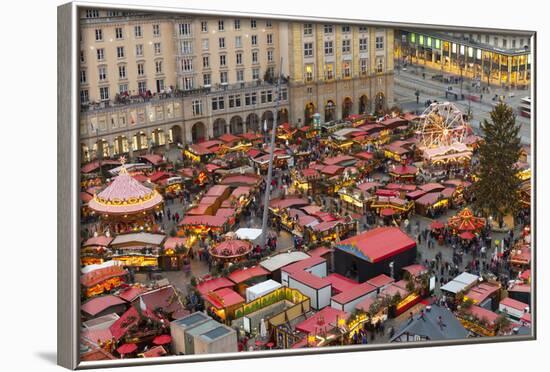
point(235, 185)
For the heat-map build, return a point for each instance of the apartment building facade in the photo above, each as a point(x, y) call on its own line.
point(150, 80)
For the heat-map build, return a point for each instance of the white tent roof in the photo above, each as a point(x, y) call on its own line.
point(460, 283)
point(248, 234)
point(283, 259)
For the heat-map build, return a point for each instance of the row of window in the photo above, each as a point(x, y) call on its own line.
point(121, 52)
point(329, 29)
point(102, 71)
point(122, 88)
point(346, 46)
point(185, 29)
point(119, 32)
point(188, 82)
point(235, 100)
point(186, 64)
point(329, 69)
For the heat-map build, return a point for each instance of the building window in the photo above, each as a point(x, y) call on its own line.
point(197, 107)
point(239, 58)
point(346, 46)
point(160, 85)
point(346, 69)
point(98, 35)
point(118, 33)
point(514, 44)
point(187, 64)
point(346, 29)
point(92, 13)
point(156, 30)
point(252, 23)
point(104, 93)
point(185, 29)
point(221, 25)
point(266, 96)
point(223, 77)
point(268, 23)
point(269, 39)
point(308, 73)
point(188, 83)
point(255, 73)
point(363, 66)
point(206, 62)
point(238, 42)
point(328, 29)
point(187, 46)
point(237, 24)
point(486, 39)
point(379, 42)
point(84, 96)
point(137, 31)
point(308, 49)
point(221, 42)
point(254, 40)
point(158, 67)
point(120, 52)
point(250, 99)
point(269, 56)
point(218, 103)
point(82, 57)
point(284, 94)
point(254, 57)
point(102, 73)
point(222, 60)
point(139, 50)
point(82, 76)
point(329, 71)
point(142, 87)
point(495, 41)
point(379, 64)
point(122, 72)
point(363, 28)
point(504, 43)
point(141, 69)
point(363, 44)
point(308, 29)
point(204, 26)
point(100, 54)
point(328, 48)
point(205, 45)
point(234, 101)
point(240, 75)
point(206, 80)
point(157, 48)
point(122, 88)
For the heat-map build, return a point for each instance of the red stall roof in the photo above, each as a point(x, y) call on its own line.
point(304, 264)
point(354, 293)
point(322, 321)
point(214, 284)
point(309, 279)
point(223, 298)
point(242, 275)
point(380, 280)
point(98, 304)
point(481, 313)
point(340, 283)
point(378, 244)
point(514, 304)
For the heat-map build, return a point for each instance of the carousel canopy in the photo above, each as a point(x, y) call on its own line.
point(466, 221)
point(125, 195)
point(231, 249)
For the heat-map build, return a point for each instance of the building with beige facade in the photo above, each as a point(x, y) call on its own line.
point(337, 70)
point(150, 80)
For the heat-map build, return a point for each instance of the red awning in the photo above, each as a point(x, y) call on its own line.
point(387, 212)
point(127, 349)
point(467, 235)
point(436, 225)
point(162, 340)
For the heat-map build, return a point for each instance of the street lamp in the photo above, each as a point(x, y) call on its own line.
point(391, 266)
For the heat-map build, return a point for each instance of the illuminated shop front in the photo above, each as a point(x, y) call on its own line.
point(511, 67)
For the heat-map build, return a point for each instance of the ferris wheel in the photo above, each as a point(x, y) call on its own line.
point(442, 124)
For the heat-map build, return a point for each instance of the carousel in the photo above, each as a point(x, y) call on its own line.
point(466, 221)
point(126, 205)
point(231, 250)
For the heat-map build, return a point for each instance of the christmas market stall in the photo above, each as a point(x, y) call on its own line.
point(403, 173)
point(383, 250)
point(138, 250)
point(126, 205)
point(95, 250)
point(465, 220)
point(99, 279)
point(202, 152)
point(230, 251)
